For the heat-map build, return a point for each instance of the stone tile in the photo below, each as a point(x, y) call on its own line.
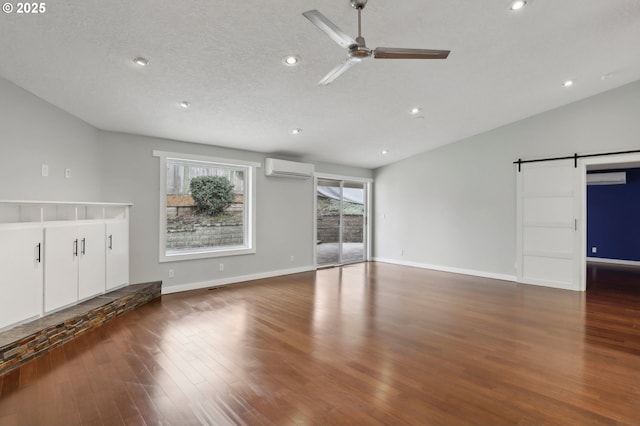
point(26, 341)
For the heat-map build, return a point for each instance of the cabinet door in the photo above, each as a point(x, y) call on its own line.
point(117, 254)
point(91, 272)
point(21, 282)
point(61, 251)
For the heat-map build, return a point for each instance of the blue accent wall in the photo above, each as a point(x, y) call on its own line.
point(613, 219)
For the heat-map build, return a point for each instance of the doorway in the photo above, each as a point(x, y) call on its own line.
point(611, 213)
point(342, 225)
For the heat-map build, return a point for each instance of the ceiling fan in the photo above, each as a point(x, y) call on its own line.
point(358, 50)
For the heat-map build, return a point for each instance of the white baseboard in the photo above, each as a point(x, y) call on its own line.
point(471, 272)
point(233, 280)
point(613, 261)
point(243, 278)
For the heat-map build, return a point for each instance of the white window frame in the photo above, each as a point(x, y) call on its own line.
point(250, 207)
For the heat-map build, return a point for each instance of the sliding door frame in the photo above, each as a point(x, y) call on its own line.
point(368, 186)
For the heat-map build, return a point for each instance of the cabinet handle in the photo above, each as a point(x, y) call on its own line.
point(84, 246)
point(111, 242)
point(39, 258)
point(75, 247)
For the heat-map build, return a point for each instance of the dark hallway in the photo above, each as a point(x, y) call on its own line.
point(616, 279)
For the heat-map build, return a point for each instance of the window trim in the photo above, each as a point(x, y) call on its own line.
point(250, 229)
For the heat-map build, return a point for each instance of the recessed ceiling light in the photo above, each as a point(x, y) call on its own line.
point(416, 110)
point(291, 60)
point(517, 5)
point(143, 62)
point(184, 104)
point(568, 83)
point(384, 152)
point(296, 131)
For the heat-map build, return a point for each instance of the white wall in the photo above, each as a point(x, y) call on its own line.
point(33, 132)
point(453, 208)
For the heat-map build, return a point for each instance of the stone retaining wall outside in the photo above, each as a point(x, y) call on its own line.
point(328, 227)
point(206, 236)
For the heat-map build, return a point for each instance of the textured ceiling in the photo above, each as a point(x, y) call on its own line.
point(225, 58)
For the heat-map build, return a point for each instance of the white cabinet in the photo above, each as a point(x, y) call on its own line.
point(61, 270)
point(117, 264)
point(54, 254)
point(91, 266)
point(75, 263)
point(21, 266)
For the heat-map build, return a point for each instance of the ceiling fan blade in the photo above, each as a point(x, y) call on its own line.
point(400, 53)
point(329, 28)
point(338, 71)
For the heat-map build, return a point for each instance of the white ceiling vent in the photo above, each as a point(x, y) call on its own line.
point(614, 178)
point(291, 169)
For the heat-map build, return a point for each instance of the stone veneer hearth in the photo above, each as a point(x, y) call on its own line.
point(25, 342)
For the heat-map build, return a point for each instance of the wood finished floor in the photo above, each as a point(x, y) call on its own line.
point(366, 344)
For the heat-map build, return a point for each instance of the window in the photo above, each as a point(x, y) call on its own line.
point(206, 207)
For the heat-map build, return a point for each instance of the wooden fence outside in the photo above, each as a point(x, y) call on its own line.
point(179, 177)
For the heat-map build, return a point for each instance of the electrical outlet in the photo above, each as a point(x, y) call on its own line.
point(292, 258)
point(594, 249)
point(401, 252)
point(45, 170)
point(67, 173)
point(222, 267)
point(171, 273)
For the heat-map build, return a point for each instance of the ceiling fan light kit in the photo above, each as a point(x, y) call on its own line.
point(357, 48)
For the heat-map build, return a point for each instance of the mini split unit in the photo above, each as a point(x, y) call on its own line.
point(611, 178)
point(289, 169)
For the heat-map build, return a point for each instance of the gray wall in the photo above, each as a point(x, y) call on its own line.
point(284, 213)
point(33, 132)
point(454, 207)
point(115, 167)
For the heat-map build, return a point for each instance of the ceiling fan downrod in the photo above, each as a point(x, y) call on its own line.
point(359, 51)
point(359, 5)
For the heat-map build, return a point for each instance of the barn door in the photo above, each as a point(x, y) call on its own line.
point(548, 238)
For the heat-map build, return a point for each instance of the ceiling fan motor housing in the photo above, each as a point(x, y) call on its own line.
point(360, 50)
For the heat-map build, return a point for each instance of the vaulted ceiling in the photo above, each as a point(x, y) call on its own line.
point(226, 59)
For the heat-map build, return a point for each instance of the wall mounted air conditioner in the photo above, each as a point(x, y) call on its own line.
point(291, 169)
point(612, 178)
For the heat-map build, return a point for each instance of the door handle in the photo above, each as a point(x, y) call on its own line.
point(111, 242)
point(75, 247)
point(84, 246)
point(39, 258)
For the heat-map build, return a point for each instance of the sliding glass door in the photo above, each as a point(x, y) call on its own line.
point(341, 219)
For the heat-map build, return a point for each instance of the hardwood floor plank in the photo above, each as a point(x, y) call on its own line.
point(367, 344)
point(9, 420)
